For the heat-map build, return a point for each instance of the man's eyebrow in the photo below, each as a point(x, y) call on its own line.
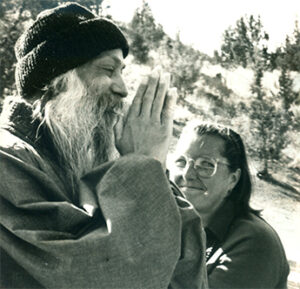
point(117, 60)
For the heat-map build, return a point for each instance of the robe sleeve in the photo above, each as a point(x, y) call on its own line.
point(128, 231)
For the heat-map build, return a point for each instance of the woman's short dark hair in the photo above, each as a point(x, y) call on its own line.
point(235, 153)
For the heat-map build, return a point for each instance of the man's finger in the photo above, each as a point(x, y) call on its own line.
point(135, 108)
point(160, 96)
point(118, 129)
point(169, 107)
point(149, 95)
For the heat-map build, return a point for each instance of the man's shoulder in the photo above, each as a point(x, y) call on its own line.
point(253, 237)
point(9, 141)
point(12, 146)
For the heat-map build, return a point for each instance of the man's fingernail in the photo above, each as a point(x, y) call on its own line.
point(167, 78)
point(156, 72)
point(157, 68)
point(144, 80)
point(173, 91)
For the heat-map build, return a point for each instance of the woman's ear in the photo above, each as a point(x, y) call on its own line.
point(234, 178)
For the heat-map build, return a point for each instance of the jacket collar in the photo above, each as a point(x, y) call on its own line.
point(17, 118)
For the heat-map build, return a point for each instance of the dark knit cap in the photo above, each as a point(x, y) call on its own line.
point(61, 39)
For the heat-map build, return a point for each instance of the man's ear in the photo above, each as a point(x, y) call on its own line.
point(234, 178)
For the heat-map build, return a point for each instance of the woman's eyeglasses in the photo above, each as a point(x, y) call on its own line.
point(205, 167)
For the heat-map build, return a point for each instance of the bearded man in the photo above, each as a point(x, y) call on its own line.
point(75, 211)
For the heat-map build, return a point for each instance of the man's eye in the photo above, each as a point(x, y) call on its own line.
point(107, 69)
point(110, 69)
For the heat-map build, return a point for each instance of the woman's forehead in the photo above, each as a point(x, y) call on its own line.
point(210, 145)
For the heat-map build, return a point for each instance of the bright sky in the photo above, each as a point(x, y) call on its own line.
point(202, 23)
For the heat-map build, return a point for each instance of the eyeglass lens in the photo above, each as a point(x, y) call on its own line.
point(205, 167)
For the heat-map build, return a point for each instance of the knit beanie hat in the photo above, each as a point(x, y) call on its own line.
point(61, 39)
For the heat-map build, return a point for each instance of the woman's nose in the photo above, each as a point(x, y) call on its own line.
point(189, 171)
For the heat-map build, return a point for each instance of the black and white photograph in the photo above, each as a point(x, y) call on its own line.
point(149, 144)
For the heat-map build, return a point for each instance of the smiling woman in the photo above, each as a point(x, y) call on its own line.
point(205, 183)
point(243, 251)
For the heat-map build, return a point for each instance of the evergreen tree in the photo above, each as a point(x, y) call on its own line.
point(286, 93)
point(183, 62)
point(289, 55)
point(139, 48)
point(145, 33)
point(270, 123)
point(242, 43)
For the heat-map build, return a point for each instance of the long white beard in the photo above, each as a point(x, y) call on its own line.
point(81, 125)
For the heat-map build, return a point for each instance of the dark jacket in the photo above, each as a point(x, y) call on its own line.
point(139, 235)
point(244, 252)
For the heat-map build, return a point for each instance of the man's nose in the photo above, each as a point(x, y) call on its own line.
point(189, 172)
point(119, 87)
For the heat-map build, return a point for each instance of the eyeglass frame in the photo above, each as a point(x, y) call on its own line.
point(216, 161)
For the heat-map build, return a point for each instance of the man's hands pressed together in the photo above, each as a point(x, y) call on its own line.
point(148, 127)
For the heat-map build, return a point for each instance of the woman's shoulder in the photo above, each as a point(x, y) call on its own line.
point(254, 227)
point(253, 255)
point(254, 232)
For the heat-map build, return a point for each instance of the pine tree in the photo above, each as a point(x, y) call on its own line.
point(183, 62)
point(288, 56)
point(270, 121)
point(145, 33)
point(286, 93)
point(242, 43)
